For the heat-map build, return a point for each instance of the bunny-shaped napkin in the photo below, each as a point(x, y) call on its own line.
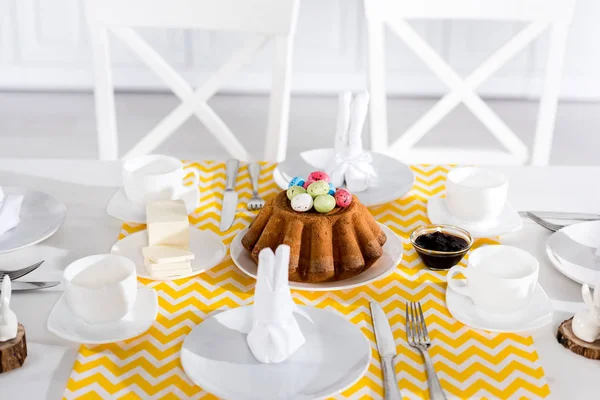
point(350, 162)
point(275, 333)
point(586, 323)
point(10, 207)
point(8, 319)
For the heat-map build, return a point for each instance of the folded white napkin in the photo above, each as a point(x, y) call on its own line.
point(275, 333)
point(351, 164)
point(10, 207)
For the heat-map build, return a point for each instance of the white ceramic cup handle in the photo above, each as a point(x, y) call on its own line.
point(453, 284)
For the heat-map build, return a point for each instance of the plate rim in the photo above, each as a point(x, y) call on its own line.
point(532, 328)
point(49, 233)
point(481, 233)
point(318, 288)
point(194, 273)
point(217, 392)
point(279, 179)
point(69, 337)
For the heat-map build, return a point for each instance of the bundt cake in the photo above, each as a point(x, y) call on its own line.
point(324, 247)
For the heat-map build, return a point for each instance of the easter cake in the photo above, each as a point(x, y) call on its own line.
point(332, 236)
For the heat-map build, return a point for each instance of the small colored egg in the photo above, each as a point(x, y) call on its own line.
point(307, 183)
point(296, 181)
point(319, 176)
point(343, 198)
point(318, 188)
point(302, 202)
point(324, 203)
point(294, 191)
point(331, 189)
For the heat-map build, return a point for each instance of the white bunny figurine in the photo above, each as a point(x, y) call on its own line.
point(586, 323)
point(8, 319)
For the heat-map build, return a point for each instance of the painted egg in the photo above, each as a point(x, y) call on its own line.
point(324, 203)
point(302, 202)
point(319, 176)
point(318, 188)
point(343, 198)
point(331, 189)
point(296, 181)
point(307, 183)
point(294, 191)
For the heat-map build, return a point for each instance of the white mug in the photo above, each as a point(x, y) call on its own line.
point(101, 288)
point(475, 194)
point(500, 279)
point(155, 177)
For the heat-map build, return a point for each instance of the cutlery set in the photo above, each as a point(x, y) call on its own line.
point(417, 337)
point(230, 196)
point(19, 286)
point(539, 217)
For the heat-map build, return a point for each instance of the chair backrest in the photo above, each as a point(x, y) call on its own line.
point(265, 20)
point(542, 15)
point(258, 16)
point(505, 10)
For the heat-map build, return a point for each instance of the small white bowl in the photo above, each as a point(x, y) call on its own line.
point(101, 288)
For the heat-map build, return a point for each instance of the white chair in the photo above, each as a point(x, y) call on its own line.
point(553, 15)
point(265, 19)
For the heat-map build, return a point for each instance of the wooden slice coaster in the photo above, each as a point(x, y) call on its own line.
point(13, 352)
point(567, 338)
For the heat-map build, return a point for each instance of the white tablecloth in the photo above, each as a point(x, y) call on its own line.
point(86, 187)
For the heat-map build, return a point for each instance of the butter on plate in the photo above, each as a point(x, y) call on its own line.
point(167, 254)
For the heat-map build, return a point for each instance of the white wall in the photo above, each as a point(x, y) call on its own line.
point(44, 45)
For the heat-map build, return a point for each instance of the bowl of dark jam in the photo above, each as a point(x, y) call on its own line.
point(441, 246)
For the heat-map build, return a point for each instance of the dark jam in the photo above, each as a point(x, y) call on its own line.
point(442, 242)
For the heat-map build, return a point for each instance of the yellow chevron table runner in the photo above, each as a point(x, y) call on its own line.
point(470, 364)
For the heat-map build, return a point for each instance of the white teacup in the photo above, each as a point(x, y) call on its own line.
point(155, 177)
point(500, 279)
point(475, 194)
point(101, 288)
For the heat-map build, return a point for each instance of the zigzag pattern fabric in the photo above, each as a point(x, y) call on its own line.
point(471, 364)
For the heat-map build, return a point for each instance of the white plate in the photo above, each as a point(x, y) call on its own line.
point(537, 314)
point(216, 357)
point(122, 208)
point(395, 179)
point(385, 265)
point(63, 323)
point(206, 246)
point(509, 220)
point(41, 216)
point(572, 251)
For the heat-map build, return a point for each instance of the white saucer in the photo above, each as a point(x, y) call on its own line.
point(395, 178)
point(572, 251)
point(63, 323)
point(392, 255)
point(207, 248)
point(216, 357)
point(122, 208)
point(41, 216)
point(509, 220)
point(537, 314)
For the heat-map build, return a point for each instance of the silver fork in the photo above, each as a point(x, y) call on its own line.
point(256, 202)
point(542, 222)
point(20, 272)
point(418, 337)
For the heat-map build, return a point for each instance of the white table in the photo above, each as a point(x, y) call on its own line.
point(86, 187)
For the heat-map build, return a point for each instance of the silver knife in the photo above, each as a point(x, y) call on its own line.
point(230, 197)
point(563, 215)
point(20, 286)
point(387, 352)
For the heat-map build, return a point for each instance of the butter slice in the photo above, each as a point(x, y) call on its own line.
point(166, 254)
point(168, 224)
point(153, 267)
